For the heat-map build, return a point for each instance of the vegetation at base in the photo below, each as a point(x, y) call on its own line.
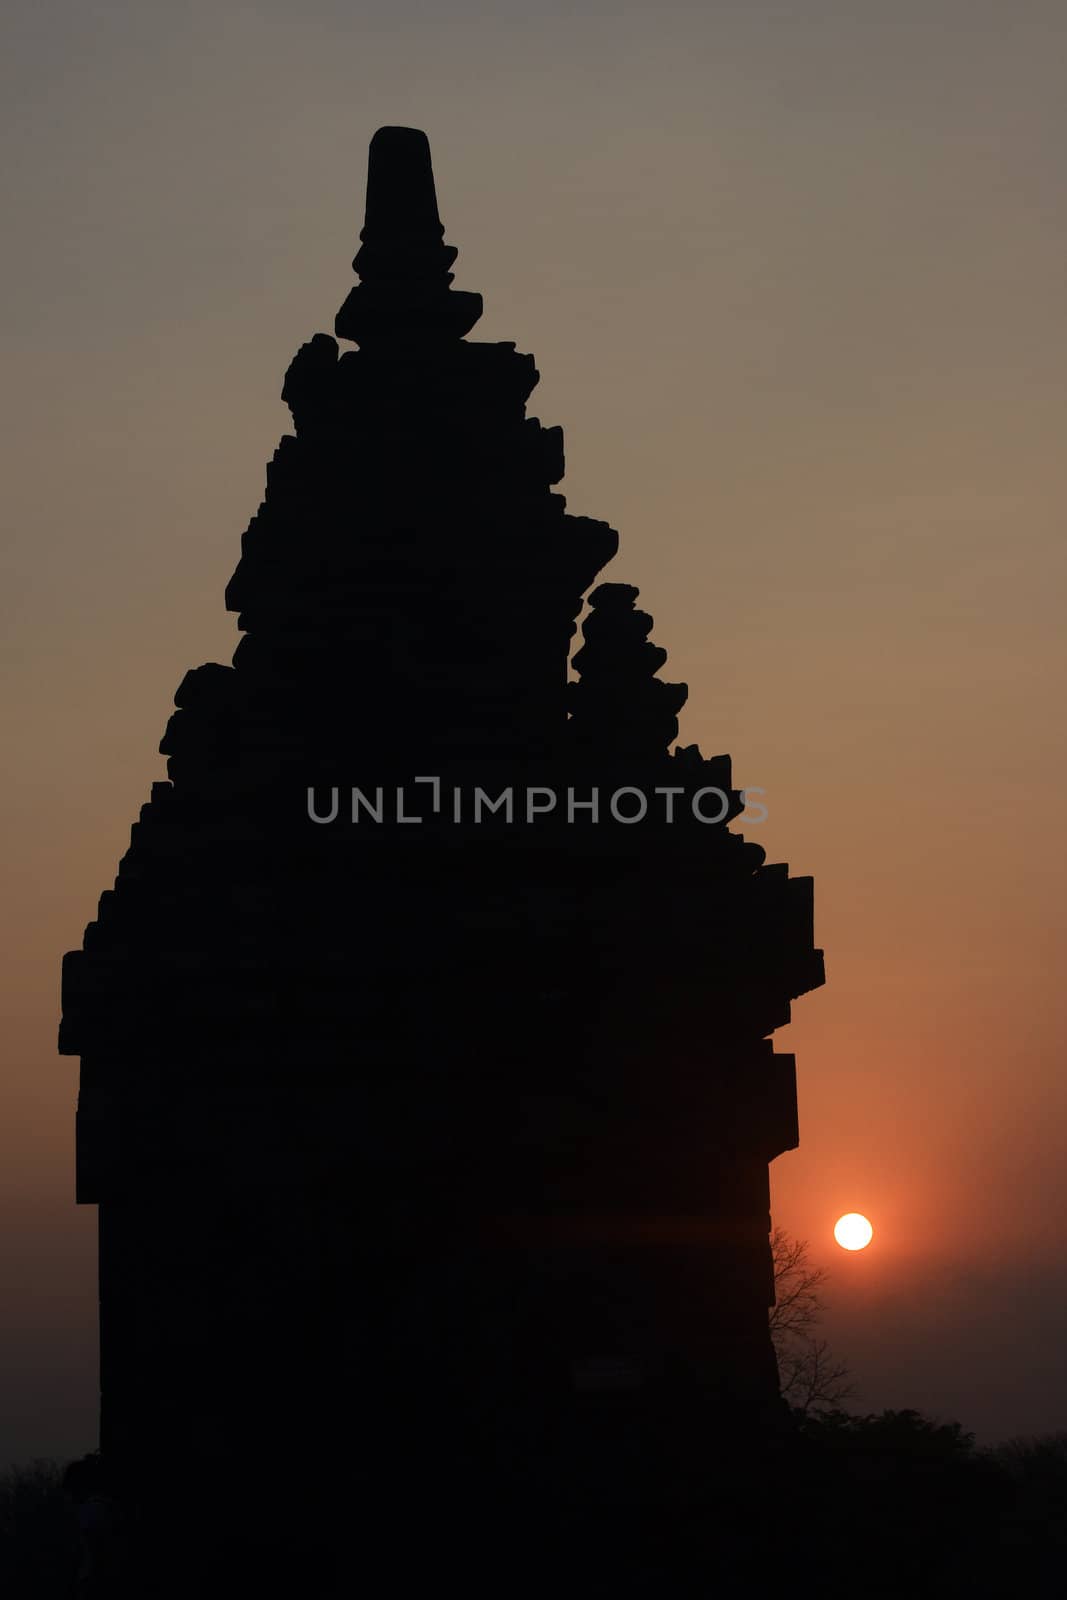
point(893, 1503)
point(39, 1535)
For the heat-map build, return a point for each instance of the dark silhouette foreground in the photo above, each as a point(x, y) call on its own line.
point(894, 1504)
point(427, 1087)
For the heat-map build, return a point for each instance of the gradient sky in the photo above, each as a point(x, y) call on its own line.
point(793, 275)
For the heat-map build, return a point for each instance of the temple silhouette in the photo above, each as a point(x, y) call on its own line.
point(427, 1087)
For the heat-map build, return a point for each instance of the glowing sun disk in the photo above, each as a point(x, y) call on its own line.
point(853, 1231)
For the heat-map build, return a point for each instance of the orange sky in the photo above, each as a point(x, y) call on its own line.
point(793, 278)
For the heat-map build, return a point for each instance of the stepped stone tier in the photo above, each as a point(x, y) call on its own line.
point(431, 1156)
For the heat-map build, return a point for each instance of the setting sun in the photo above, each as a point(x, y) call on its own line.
point(853, 1231)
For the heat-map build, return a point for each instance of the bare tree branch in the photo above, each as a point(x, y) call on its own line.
point(811, 1378)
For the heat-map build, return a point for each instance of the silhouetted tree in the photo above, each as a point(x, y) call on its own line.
point(903, 1436)
point(812, 1378)
point(1037, 1470)
point(1039, 1455)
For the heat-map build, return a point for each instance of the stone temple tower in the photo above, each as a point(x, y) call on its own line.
point(427, 1091)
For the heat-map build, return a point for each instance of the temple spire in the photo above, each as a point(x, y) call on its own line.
point(618, 705)
point(404, 293)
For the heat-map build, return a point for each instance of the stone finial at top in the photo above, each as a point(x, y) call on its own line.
point(404, 294)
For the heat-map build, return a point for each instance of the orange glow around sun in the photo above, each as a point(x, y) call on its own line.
point(853, 1231)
